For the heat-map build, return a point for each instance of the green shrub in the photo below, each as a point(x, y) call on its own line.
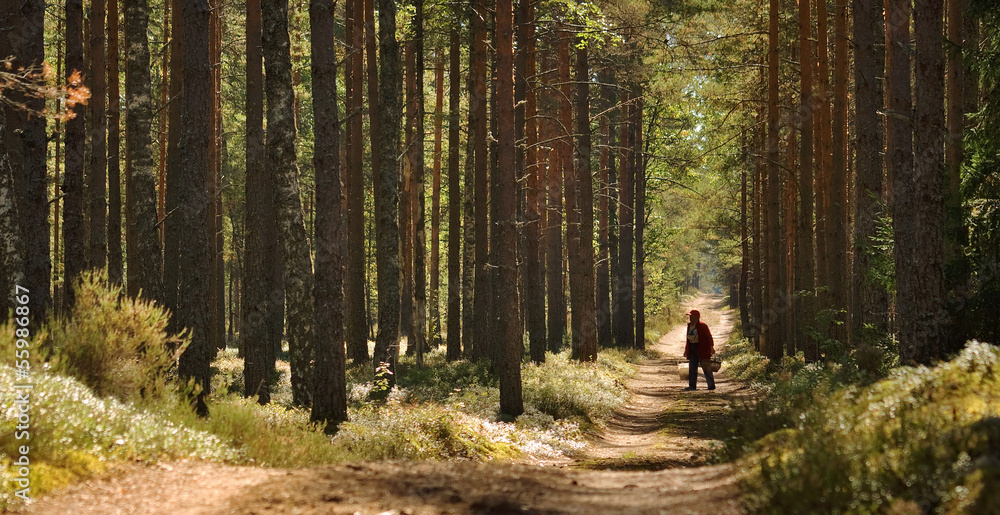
point(924, 437)
point(75, 433)
point(565, 389)
point(115, 344)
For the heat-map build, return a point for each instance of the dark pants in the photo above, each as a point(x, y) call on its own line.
point(693, 363)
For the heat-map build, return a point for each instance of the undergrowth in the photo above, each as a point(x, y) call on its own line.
point(834, 438)
point(108, 394)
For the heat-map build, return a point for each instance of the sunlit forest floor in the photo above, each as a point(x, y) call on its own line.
point(654, 454)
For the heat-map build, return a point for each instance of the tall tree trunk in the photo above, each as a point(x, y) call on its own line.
point(823, 151)
point(419, 234)
point(639, 180)
point(570, 189)
point(774, 301)
point(35, 224)
point(587, 314)
point(73, 231)
point(869, 300)
point(164, 103)
point(603, 281)
point(454, 350)
point(899, 121)
point(837, 207)
point(280, 148)
point(192, 212)
point(805, 265)
point(407, 199)
point(387, 228)
point(469, 229)
point(262, 301)
point(919, 234)
point(534, 282)
point(509, 365)
point(433, 296)
point(116, 272)
point(745, 259)
point(957, 271)
point(97, 180)
point(554, 269)
point(357, 342)
point(144, 262)
point(622, 308)
point(477, 129)
point(216, 296)
point(12, 249)
point(329, 392)
point(172, 229)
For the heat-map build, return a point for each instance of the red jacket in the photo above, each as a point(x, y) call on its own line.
point(706, 346)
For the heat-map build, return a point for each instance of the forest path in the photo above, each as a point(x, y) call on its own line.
point(652, 458)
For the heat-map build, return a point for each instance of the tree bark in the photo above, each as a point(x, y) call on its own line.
point(280, 149)
point(837, 208)
point(192, 212)
point(469, 229)
point(419, 234)
point(478, 129)
point(623, 326)
point(570, 190)
point(12, 265)
point(387, 228)
point(407, 199)
point(97, 171)
point(919, 238)
point(172, 229)
point(534, 282)
point(805, 264)
point(329, 393)
point(639, 180)
point(585, 202)
point(509, 365)
point(262, 303)
point(774, 299)
point(116, 272)
point(603, 281)
point(433, 296)
point(144, 262)
point(73, 230)
point(870, 304)
point(357, 342)
point(454, 345)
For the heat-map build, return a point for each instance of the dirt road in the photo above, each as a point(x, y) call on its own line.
point(653, 458)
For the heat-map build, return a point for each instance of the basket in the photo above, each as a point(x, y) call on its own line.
point(716, 364)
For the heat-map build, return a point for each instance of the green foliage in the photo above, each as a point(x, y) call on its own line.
point(565, 389)
point(114, 344)
point(924, 438)
point(75, 433)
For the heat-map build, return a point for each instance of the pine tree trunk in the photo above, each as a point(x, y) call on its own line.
point(329, 393)
point(956, 267)
point(387, 228)
point(509, 365)
point(454, 350)
point(97, 169)
point(805, 263)
point(73, 230)
point(261, 303)
point(899, 121)
point(837, 207)
point(622, 305)
point(419, 234)
point(477, 129)
point(354, 299)
point(587, 314)
point(172, 228)
point(469, 229)
point(144, 262)
point(870, 304)
point(603, 284)
point(194, 255)
point(639, 179)
point(433, 296)
point(116, 269)
point(554, 269)
point(12, 266)
point(534, 281)
point(823, 141)
point(280, 149)
point(773, 298)
point(35, 212)
point(570, 191)
point(919, 238)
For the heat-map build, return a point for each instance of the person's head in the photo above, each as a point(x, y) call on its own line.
point(694, 316)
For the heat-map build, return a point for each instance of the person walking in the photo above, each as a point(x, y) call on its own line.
point(699, 350)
